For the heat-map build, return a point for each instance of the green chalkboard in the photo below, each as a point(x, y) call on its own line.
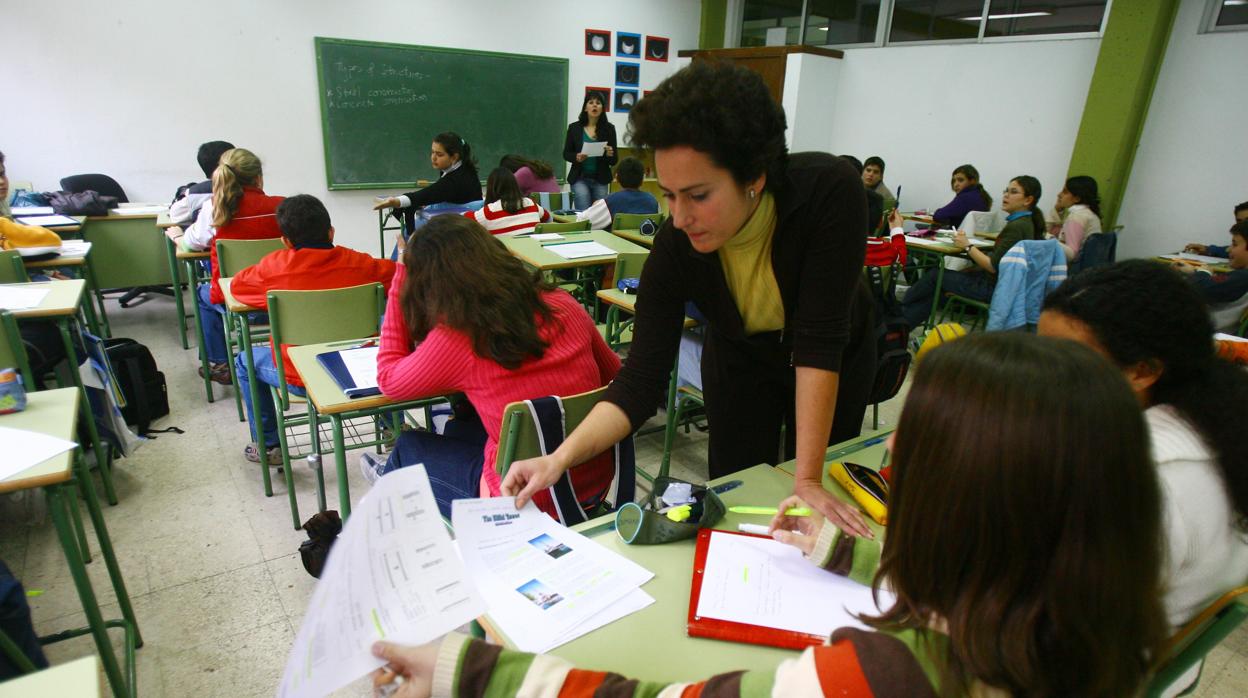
point(382, 104)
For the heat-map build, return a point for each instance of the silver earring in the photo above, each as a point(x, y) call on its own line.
point(753, 193)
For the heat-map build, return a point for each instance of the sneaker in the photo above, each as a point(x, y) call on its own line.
point(372, 465)
point(272, 456)
point(218, 373)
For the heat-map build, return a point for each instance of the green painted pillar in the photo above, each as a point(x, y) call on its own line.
point(1130, 58)
point(714, 16)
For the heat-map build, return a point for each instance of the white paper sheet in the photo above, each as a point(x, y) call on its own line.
point(75, 248)
point(546, 236)
point(594, 148)
point(138, 210)
point(579, 250)
point(362, 364)
point(1228, 337)
point(21, 297)
point(630, 603)
point(543, 583)
point(31, 210)
point(25, 449)
point(1203, 259)
point(764, 582)
point(46, 221)
point(392, 574)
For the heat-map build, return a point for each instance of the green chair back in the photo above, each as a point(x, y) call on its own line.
point(518, 439)
point(12, 271)
point(235, 255)
point(633, 221)
point(576, 227)
point(12, 351)
point(313, 317)
point(629, 264)
point(1196, 639)
point(552, 201)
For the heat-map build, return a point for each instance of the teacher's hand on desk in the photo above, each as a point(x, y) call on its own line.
point(386, 203)
point(415, 664)
point(841, 513)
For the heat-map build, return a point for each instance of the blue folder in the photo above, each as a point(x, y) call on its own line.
point(332, 362)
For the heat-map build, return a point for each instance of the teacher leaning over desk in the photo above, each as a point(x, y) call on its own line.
point(769, 246)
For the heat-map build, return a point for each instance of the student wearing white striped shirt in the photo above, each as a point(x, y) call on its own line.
point(507, 211)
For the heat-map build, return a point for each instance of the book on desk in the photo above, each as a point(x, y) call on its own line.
point(353, 368)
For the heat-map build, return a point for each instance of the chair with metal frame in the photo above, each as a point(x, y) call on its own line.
point(12, 271)
point(634, 221)
point(577, 227)
point(232, 257)
point(1189, 646)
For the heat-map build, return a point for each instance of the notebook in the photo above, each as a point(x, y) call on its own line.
point(353, 369)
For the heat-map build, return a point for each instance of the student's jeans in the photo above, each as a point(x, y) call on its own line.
point(453, 459)
point(586, 191)
point(266, 373)
point(916, 305)
point(212, 319)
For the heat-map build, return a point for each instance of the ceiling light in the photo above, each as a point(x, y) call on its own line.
point(1019, 15)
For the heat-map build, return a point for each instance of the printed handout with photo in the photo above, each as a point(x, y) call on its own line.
point(625, 100)
point(550, 546)
point(597, 42)
point(627, 74)
point(656, 48)
point(627, 45)
point(541, 595)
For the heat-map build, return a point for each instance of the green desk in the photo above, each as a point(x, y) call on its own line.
point(933, 252)
point(187, 279)
point(79, 678)
point(125, 251)
point(52, 412)
point(61, 305)
point(80, 263)
point(635, 236)
point(534, 253)
point(651, 644)
point(238, 326)
point(326, 399)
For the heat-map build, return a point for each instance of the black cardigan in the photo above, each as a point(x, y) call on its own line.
point(572, 145)
point(817, 255)
point(458, 187)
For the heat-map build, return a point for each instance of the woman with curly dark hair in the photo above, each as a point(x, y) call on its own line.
point(770, 247)
point(589, 177)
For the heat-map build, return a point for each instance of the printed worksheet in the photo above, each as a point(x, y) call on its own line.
point(539, 579)
point(393, 574)
point(760, 581)
point(362, 364)
point(579, 250)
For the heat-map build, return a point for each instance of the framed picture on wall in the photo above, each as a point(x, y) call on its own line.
point(627, 74)
point(597, 42)
point(605, 92)
point(656, 48)
point(625, 100)
point(627, 45)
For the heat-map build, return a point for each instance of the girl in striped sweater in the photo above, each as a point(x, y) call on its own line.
point(1022, 546)
point(507, 211)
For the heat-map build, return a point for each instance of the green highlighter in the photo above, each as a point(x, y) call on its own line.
point(769, 511)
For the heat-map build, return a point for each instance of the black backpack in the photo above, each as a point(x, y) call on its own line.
point(147, 397)
point(892, 337)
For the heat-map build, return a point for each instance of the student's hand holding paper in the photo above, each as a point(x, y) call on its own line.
point(801, 532)
point(414, 664)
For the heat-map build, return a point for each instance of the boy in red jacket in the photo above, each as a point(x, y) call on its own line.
point(310, 263)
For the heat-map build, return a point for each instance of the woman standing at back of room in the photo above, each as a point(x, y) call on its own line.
point(531, 175)
point(590, 176)
point(968, 195)
point(458, 182)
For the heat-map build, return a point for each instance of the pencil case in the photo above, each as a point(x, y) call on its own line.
point(643, 524)
point(865, 485)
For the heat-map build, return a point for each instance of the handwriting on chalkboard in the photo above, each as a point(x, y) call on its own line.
point(347, 71)
point(364, 98)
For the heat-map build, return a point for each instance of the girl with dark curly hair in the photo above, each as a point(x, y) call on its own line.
point(769, 246)
point(590, 176)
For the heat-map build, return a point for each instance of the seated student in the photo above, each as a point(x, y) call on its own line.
point(190, 198)
point(239, 210)
point(630, 173)
point(458, 182)
point(1060, 602)
point(1226, 294)
point(464, 315)
point(1023, 222)
point(310, 262)
point(531, 175)
point(873, 180)
point(507, 212)
point(1241, 214)
point(1144, 318)
point(1079, 206)
point(875, 200)
point(969, 195)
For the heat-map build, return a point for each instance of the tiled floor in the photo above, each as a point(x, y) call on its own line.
point(212, 564)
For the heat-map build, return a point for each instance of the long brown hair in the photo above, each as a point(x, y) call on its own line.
point(238, 168)
point(458, 275)
point(1025, 514)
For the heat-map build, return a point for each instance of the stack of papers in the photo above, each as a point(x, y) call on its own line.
point(1198, 258)
point(31, 211)
point(138, 210)
point(75, 248)
point(544, 584)
point(580, 250)
point(25, 449)
point(21, 297)
point(47, 221)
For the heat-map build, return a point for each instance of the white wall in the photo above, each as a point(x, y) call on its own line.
point(132, 88)
point(1191, 167)
point(810, 86)
point(1006, 108)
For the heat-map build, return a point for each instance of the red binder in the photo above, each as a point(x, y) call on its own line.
point(716, 629)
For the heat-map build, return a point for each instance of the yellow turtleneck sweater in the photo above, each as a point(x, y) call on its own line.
point(746, 260)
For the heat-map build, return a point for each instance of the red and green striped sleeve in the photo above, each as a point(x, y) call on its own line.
point(848, 556)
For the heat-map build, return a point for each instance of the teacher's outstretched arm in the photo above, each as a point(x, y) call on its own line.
point(815, 407)
point(603, 427)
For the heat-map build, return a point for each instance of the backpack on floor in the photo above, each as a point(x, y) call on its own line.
point(147, 397)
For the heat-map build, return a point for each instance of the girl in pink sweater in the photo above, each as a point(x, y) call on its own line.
point(464, 316)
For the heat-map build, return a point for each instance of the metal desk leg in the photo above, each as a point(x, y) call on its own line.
point(88, 310)
point(199, 330)
point(106, 548)
point(340, 463)
point(171, 251)
point(101, 453)
point(315, 431)
point(233, 340)
point(613, 327)
point(253, 389)
point(287, 465)
point(93, 288)
point(669, 434)
point(940, 277)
